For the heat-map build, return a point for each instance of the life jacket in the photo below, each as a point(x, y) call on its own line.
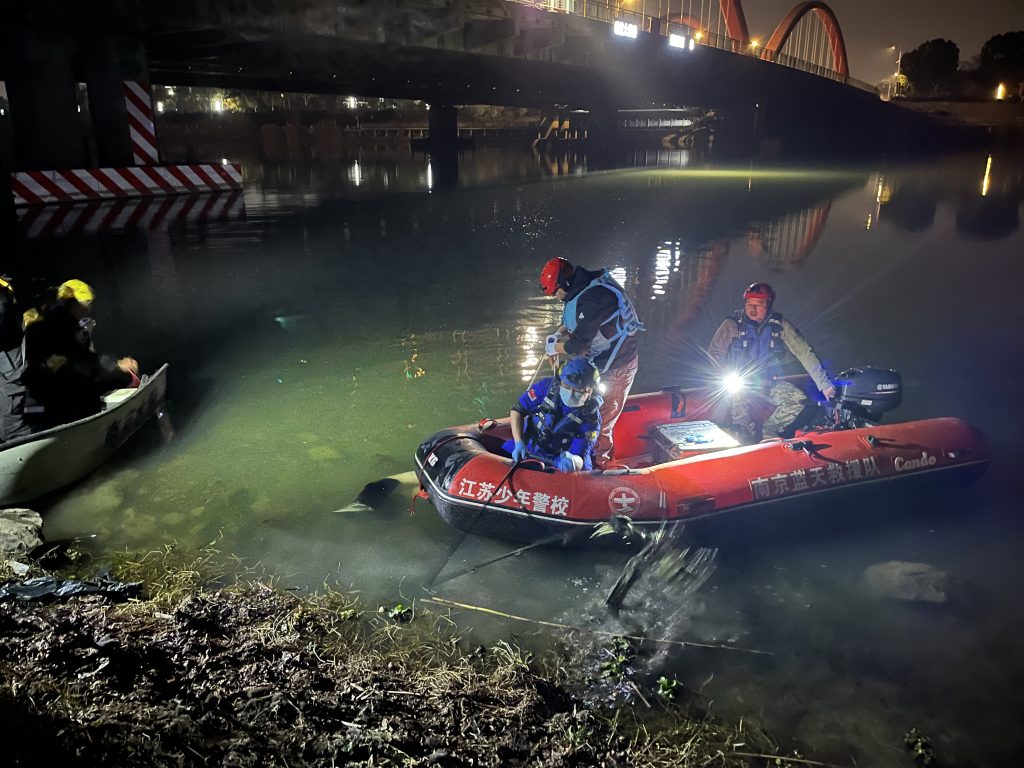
point(553, 427)
point(625, 318)
point(757, 350)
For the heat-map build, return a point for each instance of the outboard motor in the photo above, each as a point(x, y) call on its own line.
point(864, 394)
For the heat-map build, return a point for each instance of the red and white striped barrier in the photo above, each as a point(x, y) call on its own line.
point(141, 126)
point(118, 215)
point(40, 187)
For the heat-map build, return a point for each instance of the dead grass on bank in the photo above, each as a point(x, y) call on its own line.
point(218, 666)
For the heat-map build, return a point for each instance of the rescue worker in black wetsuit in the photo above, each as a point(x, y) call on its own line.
point(753, 343)
point(12, 367)
point(64, 375)
point(557, 420)
point(600, 323)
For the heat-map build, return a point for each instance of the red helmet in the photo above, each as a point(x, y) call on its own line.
point(760, 291)
point(555, 275)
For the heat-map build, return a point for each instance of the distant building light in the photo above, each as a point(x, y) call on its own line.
point(218, 105)
point(170, 90)
point(677, 41)
point(754, 43)
point(350, 102)
point(625, 29)
point(1001, 92)
point(159, 106)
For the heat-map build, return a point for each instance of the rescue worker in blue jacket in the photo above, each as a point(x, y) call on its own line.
point(753, 343)
point(12, 367)
point(557, 420)
point(600, 323)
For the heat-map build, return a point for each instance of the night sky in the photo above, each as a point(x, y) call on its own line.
point(871, 26)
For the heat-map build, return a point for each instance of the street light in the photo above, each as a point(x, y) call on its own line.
point(895, 79)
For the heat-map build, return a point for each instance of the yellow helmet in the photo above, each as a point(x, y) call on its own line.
point(30, 316)
point(76, 289)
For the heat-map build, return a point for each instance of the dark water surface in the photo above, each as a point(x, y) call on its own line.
point(359, 307)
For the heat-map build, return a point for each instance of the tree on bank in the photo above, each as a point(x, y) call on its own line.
point(931, 69)
point(1002, 58)
point(930, 65)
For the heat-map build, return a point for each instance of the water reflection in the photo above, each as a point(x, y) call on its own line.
point(985, 195)
point(151, 213)
point(785, 243)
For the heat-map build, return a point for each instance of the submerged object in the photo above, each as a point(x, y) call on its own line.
point(37, 464)
point(679, 465)
point(371, 496)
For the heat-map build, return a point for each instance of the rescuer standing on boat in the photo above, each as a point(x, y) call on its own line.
point(64, 375)
point(557, 420)
point(600, 323)
point(753, 343)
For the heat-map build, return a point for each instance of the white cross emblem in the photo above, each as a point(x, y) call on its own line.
point(623, 500)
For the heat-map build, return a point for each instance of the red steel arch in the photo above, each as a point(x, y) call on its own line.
point(735, 21)
point(828, 21)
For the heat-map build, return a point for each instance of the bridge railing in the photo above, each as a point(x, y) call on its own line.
point(657, 25)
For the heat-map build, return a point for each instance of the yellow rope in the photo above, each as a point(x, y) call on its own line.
point(557, 625)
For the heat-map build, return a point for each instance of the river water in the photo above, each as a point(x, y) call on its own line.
point(361, 305)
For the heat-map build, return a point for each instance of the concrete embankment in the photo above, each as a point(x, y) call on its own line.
point(1001, 121)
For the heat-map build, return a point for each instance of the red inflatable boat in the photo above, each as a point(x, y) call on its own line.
point(679, 465)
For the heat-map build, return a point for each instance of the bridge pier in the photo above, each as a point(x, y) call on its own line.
point(46, 51)
point(601, 128)
point(443, 126)
point(110, 62)
point(46, 126)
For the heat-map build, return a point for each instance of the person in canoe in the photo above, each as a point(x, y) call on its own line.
point(557, 420)
point(600, 323)
point(753, 343)
point(64, 375)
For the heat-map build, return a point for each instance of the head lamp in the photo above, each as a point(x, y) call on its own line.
point(733, 383)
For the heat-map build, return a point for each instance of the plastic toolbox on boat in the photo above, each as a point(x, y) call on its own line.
point(673, 441)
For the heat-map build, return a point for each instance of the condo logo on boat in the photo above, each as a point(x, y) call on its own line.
point(901, 464)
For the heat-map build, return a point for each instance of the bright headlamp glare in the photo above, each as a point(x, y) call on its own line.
point(733, 383)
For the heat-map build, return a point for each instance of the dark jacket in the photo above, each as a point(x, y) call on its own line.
point(593, 310)
point(64, 375)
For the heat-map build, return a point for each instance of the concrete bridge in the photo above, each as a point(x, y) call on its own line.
point(547, 54)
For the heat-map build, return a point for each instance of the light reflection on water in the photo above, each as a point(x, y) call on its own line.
point(314, 344)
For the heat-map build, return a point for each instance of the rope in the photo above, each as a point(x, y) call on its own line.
point(558, 625)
